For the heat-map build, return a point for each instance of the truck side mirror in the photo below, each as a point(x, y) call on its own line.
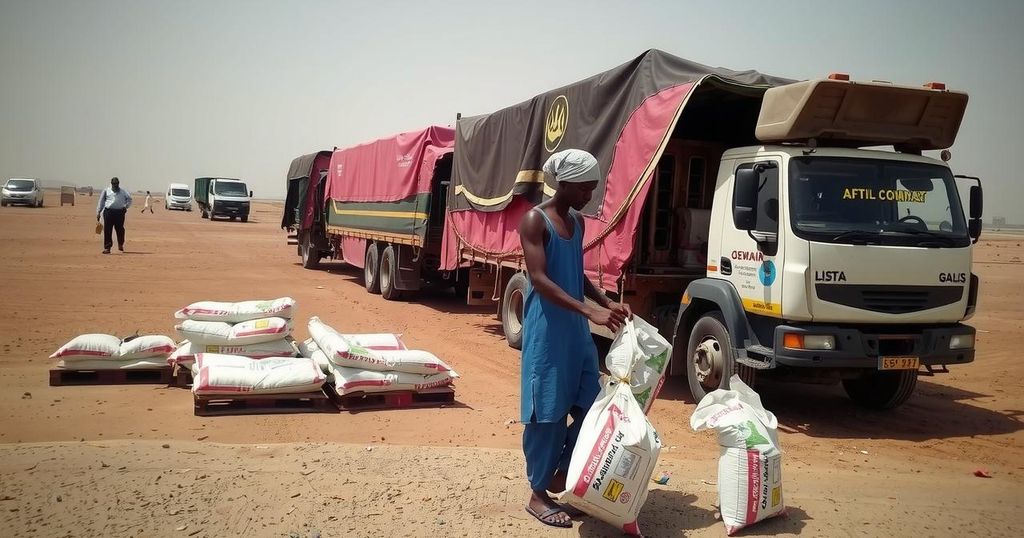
point(976, 202)
point(974, 229)
point(744, 198)
point(974, 223)
point(250, 194)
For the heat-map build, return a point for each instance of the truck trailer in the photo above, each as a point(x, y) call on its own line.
point(379, 206)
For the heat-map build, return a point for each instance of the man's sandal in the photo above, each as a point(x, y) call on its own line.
point(545, 517)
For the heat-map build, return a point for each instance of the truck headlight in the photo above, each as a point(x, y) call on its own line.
point(961, 341)
point(817, 342)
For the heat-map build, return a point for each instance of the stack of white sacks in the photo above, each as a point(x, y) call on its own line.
point(373, 362)
point(108, 352)
point(243, 348)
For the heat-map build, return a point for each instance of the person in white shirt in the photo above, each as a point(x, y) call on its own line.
point(149, 203)
point(112, 206)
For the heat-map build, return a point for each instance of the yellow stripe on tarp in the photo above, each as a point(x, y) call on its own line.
point(524, 176)
point(376, 213)
point(763, 308)
point(375, 235)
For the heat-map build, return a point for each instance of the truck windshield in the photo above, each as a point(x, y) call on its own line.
point(19, 185)
point(230, 188)
point(846, 200)
point(180, 192)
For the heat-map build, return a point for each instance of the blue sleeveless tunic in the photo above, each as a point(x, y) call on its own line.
point(559, 361)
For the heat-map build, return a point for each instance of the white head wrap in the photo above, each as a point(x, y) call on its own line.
point(573, 166)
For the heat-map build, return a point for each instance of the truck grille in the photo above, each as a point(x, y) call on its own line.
point(889, 299)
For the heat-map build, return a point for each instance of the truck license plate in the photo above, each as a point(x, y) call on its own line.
point(898, 363)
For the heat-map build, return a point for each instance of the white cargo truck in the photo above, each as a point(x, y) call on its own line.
point(828, 262)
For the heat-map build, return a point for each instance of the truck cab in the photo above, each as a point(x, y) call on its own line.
point(826, 262)
point(223, 197)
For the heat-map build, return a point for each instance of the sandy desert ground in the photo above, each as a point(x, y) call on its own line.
point(134, 461)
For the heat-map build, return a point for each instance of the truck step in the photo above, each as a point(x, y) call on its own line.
point(758, 358)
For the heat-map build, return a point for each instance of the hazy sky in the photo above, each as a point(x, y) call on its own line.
point(156, 92)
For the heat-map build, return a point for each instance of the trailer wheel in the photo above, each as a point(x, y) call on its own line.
point(371, 269)
point(512, 305)
point(710, 359)
point(310, 254)
point(881, 390)
point(388, 273)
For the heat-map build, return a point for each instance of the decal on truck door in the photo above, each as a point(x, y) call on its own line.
point(755, 271)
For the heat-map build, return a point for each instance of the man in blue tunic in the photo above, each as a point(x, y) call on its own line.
point(559, 362)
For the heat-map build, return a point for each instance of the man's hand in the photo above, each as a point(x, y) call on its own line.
point(612, 319)
point(623, 309)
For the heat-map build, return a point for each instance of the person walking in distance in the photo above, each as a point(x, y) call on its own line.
point(559, 362)
point(112, 206)
point(149, 203)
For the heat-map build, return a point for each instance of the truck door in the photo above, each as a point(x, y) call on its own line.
point(752, 265)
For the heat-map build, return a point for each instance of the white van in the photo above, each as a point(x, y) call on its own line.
point(179, 196)
point(22, 191)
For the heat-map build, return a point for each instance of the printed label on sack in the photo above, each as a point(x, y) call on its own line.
point(262, 324)
point(753, 485)
point(627, 464)
point(594, 461)
point(613, 490)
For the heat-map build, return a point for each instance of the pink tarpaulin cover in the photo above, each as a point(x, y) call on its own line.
point(609, 238)
point(389, 169)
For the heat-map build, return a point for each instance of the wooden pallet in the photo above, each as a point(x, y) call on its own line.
point(182, 377)
point(399, 399)
point(260, 404)
point(154, 376)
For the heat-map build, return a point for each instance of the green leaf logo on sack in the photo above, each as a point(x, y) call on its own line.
point(643, 397)
point(657, 362)
point(748, 432)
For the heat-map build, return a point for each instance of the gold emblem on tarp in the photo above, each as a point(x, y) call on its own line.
point(556, 123)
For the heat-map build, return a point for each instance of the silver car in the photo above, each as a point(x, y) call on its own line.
point(22, 191)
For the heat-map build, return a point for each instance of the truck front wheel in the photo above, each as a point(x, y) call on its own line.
point(881, 390)
point(512, 304)
point(371, 269)
point(711, 360)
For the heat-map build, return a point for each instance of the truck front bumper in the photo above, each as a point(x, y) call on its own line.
point(856, 348)
point(231, 209)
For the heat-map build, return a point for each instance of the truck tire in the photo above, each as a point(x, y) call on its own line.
point(388, 274)
point(512, 304)
point(245, 218)
point(882, 390)
point(371, 269)
point(710, 358)
point(310, 254)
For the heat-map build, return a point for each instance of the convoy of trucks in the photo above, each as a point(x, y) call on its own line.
point(739, 213)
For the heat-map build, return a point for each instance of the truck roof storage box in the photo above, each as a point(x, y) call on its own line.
point(857, 114)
